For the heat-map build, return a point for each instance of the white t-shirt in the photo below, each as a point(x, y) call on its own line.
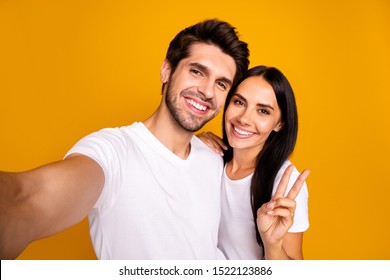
point(154, 205)
point(237, 233)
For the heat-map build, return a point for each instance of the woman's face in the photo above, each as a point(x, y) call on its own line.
point(252, 114)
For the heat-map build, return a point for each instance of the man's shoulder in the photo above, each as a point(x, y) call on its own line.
point(121, 132)
point(110, 138)
point(202, 148)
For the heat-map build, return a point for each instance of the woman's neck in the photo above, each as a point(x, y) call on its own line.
point(242, 165)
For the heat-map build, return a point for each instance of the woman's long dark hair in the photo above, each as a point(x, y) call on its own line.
point(279, 145)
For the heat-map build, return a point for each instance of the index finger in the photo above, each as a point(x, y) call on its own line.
point(296, 188)
point(284, 182)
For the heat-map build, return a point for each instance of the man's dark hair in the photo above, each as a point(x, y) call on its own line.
point(214, 32)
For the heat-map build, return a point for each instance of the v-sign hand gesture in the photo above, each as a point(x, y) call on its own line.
point(276, 217)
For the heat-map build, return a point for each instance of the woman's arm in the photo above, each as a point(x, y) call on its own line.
point(213, 141)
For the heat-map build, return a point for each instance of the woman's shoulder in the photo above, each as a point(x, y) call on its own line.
point(293, 177)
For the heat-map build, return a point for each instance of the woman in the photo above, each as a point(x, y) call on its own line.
point(260, 124)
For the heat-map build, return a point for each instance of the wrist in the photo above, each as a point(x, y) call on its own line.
point(275, 251)
point(273, 245)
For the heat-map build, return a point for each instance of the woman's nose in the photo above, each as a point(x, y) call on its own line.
point(245, 117)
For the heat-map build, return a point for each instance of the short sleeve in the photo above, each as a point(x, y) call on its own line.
point(108, 148)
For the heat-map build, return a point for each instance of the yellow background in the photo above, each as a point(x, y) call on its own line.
point(68, 68)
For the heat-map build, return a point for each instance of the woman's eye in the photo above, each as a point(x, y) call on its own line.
point(263, 111)
point(239, 102)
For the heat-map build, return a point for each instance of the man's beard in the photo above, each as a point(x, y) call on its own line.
point(188, 122)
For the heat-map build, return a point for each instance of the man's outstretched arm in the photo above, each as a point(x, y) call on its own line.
point(41, 202)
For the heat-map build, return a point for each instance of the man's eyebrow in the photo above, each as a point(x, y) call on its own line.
point(258, 104)
point(226, 80)
point(200, 66)
point(206, 69)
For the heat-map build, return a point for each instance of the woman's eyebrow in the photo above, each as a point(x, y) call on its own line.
point(258, 104)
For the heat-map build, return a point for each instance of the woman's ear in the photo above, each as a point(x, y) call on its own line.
point(278, 127)
point(165, 71)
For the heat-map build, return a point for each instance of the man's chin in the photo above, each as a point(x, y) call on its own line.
point(192, 127)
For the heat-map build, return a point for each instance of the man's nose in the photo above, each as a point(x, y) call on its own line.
point(207, 88)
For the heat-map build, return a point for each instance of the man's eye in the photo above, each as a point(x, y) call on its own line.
point(222, 85)
point(196, 72)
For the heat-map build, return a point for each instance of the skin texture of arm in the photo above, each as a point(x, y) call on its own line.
point(44, 201)
point(288, 249)
point(292, 243)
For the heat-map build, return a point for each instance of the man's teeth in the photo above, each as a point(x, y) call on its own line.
point(243, 132)
point(196, 105)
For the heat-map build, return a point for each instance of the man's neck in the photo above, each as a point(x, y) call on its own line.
point(162, 125)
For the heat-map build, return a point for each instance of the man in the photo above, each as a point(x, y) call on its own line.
point(151, 189)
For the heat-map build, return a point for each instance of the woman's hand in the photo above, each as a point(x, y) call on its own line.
point(213, 141)
point(275, 217)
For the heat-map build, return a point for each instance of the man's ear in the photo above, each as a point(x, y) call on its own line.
point(165, 71)
point(278, 127)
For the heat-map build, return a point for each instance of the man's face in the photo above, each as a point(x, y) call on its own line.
point(197, 90)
